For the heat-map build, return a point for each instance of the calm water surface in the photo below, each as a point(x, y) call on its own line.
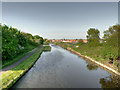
point(60, 68)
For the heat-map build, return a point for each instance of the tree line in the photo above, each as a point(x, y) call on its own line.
point(15, 42)
point(108, 50)
point(105, 50)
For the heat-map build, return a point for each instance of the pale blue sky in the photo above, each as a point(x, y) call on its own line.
point(60, 19)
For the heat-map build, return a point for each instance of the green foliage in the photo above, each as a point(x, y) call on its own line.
point(93, 37)
point(111, 38)
point(80, 42)
point(39, 39)
point(46, 48)
point(21, 39)
point(108, 50)
point(15, 42)
point(27, 50)
point(11, 76)
point(111, 31)
point(29, 36)
point(46, 42)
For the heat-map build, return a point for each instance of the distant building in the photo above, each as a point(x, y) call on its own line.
point(85, 40)
point(69, 40)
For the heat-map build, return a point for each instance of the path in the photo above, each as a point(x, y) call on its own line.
point(4, 70)
point(60, 68)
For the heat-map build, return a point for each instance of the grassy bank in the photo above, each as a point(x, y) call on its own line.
point(46, 48)
point(11, 76)
point(91, 53)
point(10, 62)
point(16, 43)
point(98, 55)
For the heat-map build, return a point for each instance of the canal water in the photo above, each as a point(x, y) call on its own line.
point(60, 68)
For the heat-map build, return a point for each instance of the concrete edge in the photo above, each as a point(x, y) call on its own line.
point(96, 62)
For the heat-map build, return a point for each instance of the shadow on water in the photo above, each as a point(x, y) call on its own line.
point(92, 66)
point(59, 68)
point(110, 82)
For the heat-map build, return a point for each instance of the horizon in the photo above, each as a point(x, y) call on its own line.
point(59, 20)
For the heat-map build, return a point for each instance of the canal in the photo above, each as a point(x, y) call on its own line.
point(60, 68)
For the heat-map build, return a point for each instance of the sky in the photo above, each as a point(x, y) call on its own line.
point(60, 20)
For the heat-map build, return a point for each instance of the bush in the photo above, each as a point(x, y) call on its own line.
point(15, 42)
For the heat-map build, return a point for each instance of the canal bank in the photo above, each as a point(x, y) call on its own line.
point(12, 76)
point(59, 68)
point(93, 60)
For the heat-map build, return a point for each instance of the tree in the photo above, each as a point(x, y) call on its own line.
point(93, 37)
point(13, 42)
point(29, 36)
point(111, 31)
point(112, 41)
point(37, 37)
point(22, 40)
point(41, 40)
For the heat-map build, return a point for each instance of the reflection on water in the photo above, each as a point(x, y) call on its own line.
point(111, 81)
point(61, 69)
point(92, 66)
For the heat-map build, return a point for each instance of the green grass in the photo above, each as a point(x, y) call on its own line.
point(10, 62)
point(99, 53)
point(46, 48)
point(11, 76)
